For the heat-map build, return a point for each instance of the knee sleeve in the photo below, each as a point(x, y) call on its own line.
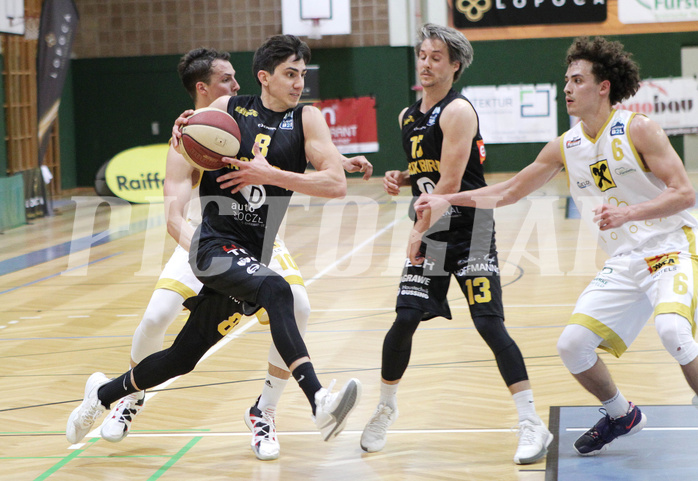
point(397, 345)
point(301, 309)
point(180, 358)
point(677, 338)
point(200, 332)
point(163, 308)
point(507, 354)
point(577, 348)
point(276, 296)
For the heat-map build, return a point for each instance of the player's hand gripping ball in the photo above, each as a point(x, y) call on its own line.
point(209, 135)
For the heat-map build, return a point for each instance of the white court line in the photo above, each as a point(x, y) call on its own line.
point(644, 429)
point(391, 308)
point(206, 434)
point(349, 254)
point(235, 334)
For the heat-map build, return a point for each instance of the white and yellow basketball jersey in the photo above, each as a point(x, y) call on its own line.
point(607, 169)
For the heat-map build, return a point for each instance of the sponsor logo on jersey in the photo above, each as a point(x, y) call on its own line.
point(230, 248)
point(287, 122)
point(252, 268)
point(477, 265)
point(573, 142)
point(246, 113)
point(599, 282)
point(426, 265)
point(416, 278)
point(423, 165)
point(434, 115)
point(663, 260)
point(583, 185)
point(264, 126)
point(414, 291)
point(481, 149)
point(408, 120)
point(602, 175)
point(618, 128)
point(624, 171)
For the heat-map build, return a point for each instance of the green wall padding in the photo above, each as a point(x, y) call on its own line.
point(118, 99)
point(11, 202)
point(114, 115)
point(66, 121)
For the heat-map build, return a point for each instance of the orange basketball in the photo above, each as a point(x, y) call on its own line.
point(209, 135)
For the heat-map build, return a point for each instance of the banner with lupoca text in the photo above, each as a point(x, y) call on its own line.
point(512, 114)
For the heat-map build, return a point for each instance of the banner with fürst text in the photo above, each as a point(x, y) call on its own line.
point(657, 11)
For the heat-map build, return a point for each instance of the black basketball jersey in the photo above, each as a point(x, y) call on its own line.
point(256, 211)
point(422, 139)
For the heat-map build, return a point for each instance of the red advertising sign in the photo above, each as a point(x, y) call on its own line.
point(352, 123)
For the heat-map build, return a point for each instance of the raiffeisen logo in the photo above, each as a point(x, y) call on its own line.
point(137, 174)
point(661, 101)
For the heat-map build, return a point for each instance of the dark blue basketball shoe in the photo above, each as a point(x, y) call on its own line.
point(607, 430)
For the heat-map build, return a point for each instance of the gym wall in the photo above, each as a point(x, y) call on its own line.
point(124, 77)
point(116, 115)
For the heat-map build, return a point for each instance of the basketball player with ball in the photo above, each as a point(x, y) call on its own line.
point(215, 313)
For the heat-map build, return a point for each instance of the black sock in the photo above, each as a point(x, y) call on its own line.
point(116, 389)
point(308, 381)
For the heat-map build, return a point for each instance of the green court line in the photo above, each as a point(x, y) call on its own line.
point(65, 460)
point(110, 456)
point(175, 458)
point(141, 431)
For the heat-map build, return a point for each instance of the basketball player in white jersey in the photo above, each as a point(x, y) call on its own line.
point(207, 75)
point(623, 170)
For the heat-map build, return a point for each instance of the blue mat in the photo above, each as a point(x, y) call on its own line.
point(666, 449)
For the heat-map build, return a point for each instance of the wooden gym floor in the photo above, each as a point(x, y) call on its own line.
point(74, 286)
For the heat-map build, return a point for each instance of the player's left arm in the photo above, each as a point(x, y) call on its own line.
point(458, 124)
point(658, 155)
point(328, 180)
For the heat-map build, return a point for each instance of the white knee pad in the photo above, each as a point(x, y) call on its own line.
point(301, 310)
point(577, 348)
point(163, 308)
point(675, 332)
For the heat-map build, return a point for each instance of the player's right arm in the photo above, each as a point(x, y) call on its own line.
point(394, 179)
point(177, 190)
point(220, 103)
point(548, 163)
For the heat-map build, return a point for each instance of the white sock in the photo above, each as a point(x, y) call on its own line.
point(271, 393)
point(389, 395)
point(617, 406)
point(525, 405)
